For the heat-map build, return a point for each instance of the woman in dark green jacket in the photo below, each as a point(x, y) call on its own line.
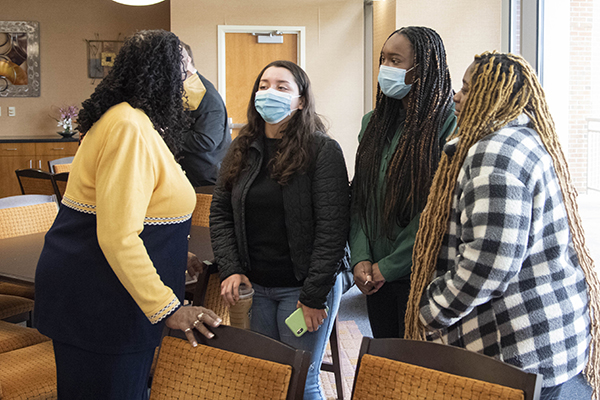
point(398, 154)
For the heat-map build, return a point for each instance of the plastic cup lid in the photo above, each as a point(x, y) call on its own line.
point(245, 291)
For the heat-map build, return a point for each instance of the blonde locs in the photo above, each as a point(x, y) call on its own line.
point(502, 87)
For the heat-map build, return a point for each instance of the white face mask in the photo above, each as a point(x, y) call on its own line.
point(392, 81)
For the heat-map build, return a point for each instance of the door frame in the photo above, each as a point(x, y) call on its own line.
point(221, 59)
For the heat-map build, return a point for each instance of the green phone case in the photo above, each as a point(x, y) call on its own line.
point(296, 322)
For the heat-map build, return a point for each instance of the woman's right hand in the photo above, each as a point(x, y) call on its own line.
point(189, 318)
point(230, 288)
point(363, 276)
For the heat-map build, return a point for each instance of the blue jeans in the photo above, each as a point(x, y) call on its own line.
point(270, 308)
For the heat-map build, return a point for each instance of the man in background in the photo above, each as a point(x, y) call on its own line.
point(208, 138)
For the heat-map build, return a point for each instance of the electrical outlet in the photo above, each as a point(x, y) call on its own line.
point(11, 111)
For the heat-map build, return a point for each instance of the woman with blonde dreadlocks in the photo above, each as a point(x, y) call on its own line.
point(502, 238)
point(400, 146)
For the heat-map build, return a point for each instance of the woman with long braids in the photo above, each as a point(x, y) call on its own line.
point(280, 215)
point(399, 150)
point(501, 236)
point(112, 270)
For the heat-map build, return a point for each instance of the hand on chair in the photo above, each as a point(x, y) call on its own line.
point(189, 318)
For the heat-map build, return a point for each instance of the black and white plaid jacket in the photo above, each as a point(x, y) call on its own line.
point(508, 282)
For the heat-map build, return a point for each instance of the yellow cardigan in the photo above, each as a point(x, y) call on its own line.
point(125, 174)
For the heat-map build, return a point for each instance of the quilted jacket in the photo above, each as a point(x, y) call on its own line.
point(317, 216)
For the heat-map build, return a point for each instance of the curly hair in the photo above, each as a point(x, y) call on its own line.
point(294, 152)
point(148, 75)
point(415, 159)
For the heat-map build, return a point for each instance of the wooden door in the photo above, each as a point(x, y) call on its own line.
point(244, 59)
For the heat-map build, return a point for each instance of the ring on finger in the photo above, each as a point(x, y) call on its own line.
point(199, 317)
point(196, 322)
point(188, 330)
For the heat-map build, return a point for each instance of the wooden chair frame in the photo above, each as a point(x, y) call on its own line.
point(60, 182)
point(452, 360)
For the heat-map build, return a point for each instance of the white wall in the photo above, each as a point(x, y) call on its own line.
point(467, 27)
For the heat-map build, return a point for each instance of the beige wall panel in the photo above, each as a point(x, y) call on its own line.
point(467, 27)
point(64, 24)
point(334, 49)
point(384, 23)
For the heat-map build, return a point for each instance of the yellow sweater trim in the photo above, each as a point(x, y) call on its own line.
point(148, 220)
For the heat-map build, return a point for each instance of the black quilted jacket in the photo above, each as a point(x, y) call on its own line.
point(317, 214)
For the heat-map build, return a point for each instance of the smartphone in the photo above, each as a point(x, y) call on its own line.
point(296, 322)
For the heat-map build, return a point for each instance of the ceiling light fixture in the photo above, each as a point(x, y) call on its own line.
point(138, 2)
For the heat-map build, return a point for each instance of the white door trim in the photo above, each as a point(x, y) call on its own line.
point(223, 29)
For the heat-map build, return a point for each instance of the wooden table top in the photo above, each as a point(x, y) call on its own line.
point(19, 255)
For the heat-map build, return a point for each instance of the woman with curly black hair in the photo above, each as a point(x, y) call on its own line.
point(112, 269)
point(280, 214)
point(399, 149)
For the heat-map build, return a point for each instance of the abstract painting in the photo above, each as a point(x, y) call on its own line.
point(19, 59)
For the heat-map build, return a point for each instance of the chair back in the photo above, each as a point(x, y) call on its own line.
point(36, 181)
point(201, 214)
point(27, 219)
point(388, 367)
point(207, 292)
point(60, 165)
point(58, 168)
point(234, 364)
point(60, 180)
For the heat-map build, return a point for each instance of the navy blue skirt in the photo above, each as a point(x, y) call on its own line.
point(82, 374)
point(79, 299)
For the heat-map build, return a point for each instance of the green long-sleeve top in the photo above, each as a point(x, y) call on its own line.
point(394, 256)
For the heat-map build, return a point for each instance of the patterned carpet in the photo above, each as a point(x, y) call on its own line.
point(350, 338)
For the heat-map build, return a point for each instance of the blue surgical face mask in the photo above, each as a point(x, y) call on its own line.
point(392, 82)
point(272, 105)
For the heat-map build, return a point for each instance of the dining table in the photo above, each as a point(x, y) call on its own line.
point(19, 255)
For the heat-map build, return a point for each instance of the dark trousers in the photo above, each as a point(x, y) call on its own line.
point(387, 308)
point(81, 374)
point(551, 393)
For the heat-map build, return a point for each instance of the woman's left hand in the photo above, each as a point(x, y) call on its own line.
point(378, 279)
point(313, 317)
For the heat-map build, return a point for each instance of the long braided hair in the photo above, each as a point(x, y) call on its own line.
point(416, 156)
point(502, 87)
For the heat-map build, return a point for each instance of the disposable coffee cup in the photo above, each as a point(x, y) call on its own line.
point(239, 314)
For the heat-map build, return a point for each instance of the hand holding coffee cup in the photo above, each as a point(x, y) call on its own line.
point(229, 288)
point(237, 293)
point(239, 313)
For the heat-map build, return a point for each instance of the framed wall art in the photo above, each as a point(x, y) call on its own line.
point(19, 59)
point(101, 56)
